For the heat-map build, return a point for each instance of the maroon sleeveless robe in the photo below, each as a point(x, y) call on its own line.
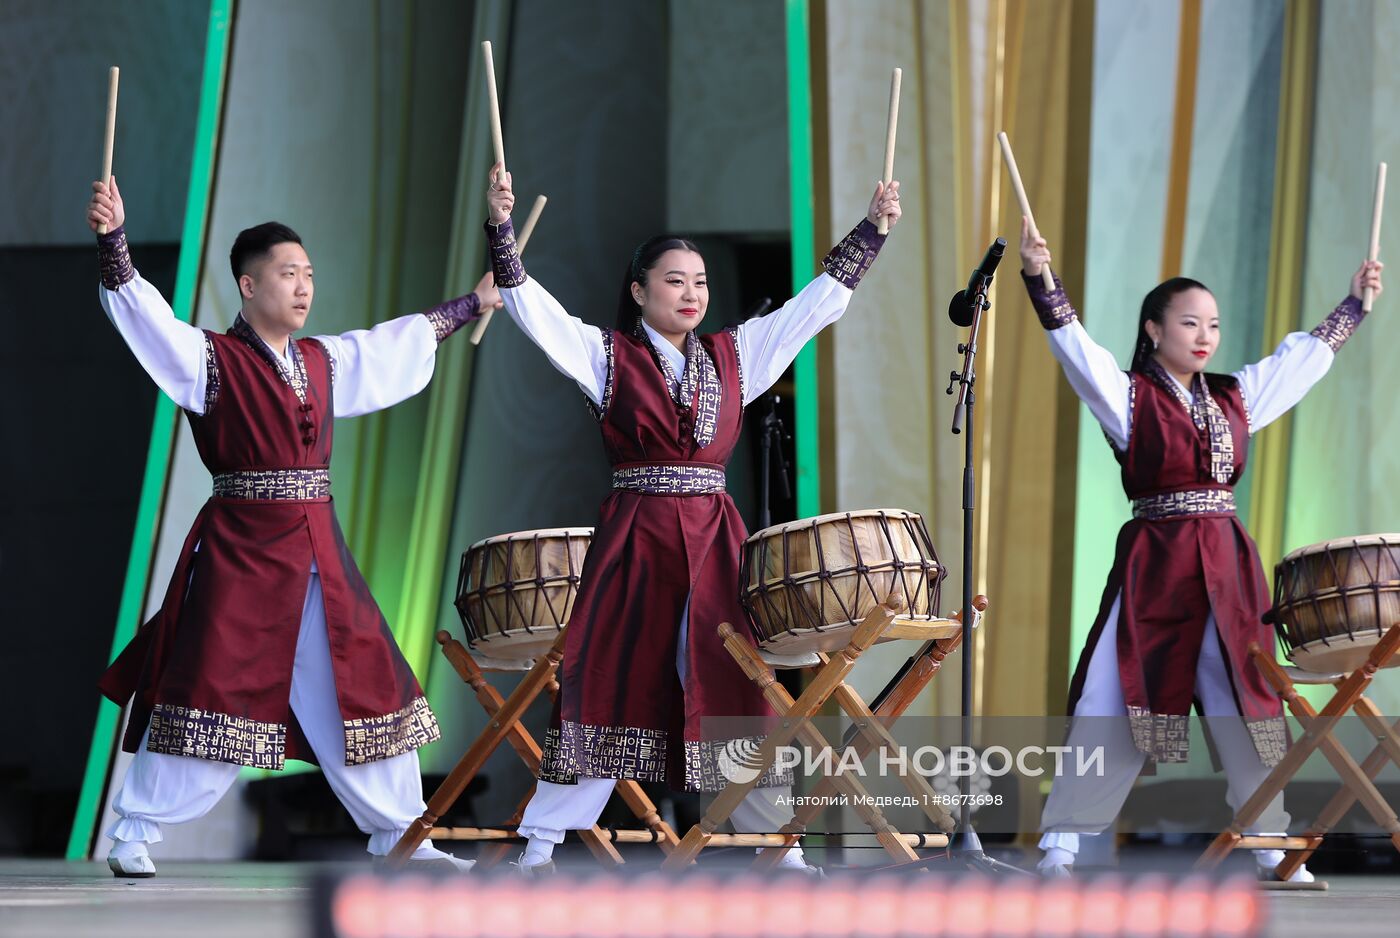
point(1184, 555)
point(210, 673)
point(622, 712)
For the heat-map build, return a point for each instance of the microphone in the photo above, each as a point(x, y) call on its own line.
point(960, 309)
point(759, 308)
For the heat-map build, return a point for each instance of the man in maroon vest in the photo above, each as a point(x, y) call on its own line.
point(268, 645)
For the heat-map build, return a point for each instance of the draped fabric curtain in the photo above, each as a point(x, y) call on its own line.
point(1037, 73)
point(970, 69)
point(883, 414)
point(432, 458)
point(1344, 449)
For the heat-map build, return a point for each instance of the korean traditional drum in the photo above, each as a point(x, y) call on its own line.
point(1334, 600)
point(807, 584)
point(515, 591)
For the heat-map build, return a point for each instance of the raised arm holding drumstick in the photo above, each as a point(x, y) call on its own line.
point(1186, 583)
point(529, 227)
point(669, 402)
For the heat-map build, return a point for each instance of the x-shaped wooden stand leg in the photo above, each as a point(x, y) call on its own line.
point(1387, 751)
point(796, 714)
point(505, 715)
point(871, 733)
point(909, 686)
point(1317, 735)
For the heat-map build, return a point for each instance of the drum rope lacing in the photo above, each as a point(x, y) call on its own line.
point(1288, 577)
point(816, 617)
point(498, 620)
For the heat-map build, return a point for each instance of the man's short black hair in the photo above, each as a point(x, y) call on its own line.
point(253, 244)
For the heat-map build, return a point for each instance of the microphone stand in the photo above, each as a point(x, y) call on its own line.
point(770, 442)
point(965, 845)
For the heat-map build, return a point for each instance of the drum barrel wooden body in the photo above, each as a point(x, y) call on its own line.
point(1334, 600)
point(807, 584)
point(516, 591)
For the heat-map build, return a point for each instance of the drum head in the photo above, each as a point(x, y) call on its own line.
point(804, 523)
point(1333, 655)
point(514, 645)
point(1342, 543)
point(527, 535)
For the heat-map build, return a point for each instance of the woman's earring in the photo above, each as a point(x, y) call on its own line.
point(1154, 345)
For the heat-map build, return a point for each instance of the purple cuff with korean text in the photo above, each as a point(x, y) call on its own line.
point(505, 259)
point(114, 260)
point(1051, 306)
point(852, 257)
point(1340, 323)
point(448, 317)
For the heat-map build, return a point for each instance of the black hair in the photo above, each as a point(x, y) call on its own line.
point(1154, 308)
point(643, 260)
point(255, 243)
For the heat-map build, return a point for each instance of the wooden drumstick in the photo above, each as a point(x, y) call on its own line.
point(497, 139)
point(520, 243)
point(498, 145)
point(890, 127)
point(111, 134)
point(1367, 295)
point(530, 221)
point(1046, 278)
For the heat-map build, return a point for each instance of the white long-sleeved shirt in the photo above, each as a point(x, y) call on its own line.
point(767, 345)
point(374, 368)
point(1270, 387)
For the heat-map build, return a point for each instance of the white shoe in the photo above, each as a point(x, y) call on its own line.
point(429, 859)
point(1266, 861)
point(533, 870)
point(130, 861)
point(797, 863)
point(459, 865)
point(1055, 863)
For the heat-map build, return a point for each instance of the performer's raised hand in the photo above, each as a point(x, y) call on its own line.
point(487, 294)
point(500, 198)
point(1367, 275)
point(884, 202)
point(1034, 251)
point(106, 206)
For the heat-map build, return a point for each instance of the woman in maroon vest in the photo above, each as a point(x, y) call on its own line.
point(1186, 594)
point(644, 670)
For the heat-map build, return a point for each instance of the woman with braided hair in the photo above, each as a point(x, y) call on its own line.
point(643, 664)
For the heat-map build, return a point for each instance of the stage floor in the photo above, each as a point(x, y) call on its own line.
point(49, 898)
